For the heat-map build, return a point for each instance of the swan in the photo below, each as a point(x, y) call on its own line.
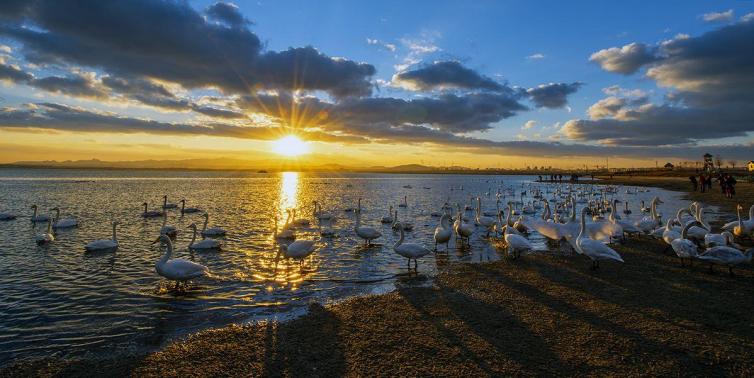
point(7, 216)
point(443, 232)
point(366, 233)
point(167, 229)
point(188, 210)
point(389, 217)
point(62, 223)
point(202, 244)
point(409, 250)
point(593, 249)
point(699, 231)
point(166, 205)
point(406, 226)
point(742, 228)
point(714, 240)
point(746, 225)
point(683, 247)
point(671, 233)
point(45, 237)
point(38, 218)
point(178, 270)
point(319, 214)
point(486, 222)
point(285, 233)
point(515, 243)
point(648, 224)
point(724, 255)
point(213, 231)
point(300, 222)
point(150, 213)
point(626, 210)
point(463, 229)
point(643, 208)
point(298, 250)
point(326, 232)
point(104, 244)
point(404, 203)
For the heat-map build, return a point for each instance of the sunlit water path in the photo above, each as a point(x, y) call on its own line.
point(59, 300)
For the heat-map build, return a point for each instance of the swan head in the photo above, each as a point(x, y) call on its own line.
point(114, 223)
point(144, 204)
point(192, 226)
point(162, 238)
point(34, 207)
point(183, 201)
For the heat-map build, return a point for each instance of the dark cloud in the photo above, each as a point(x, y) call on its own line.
point(226, 12)
point(626, 60)
point(712, 78)
point(14, 74)
point(552, 95)
point(171, 41)
point(74, 85)
point(443, 75)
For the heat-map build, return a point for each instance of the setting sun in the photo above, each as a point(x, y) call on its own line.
point(290, 145)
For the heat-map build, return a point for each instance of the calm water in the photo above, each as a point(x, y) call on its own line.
point(59, 300)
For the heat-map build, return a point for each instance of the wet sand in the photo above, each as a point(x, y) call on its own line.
point(537, 315)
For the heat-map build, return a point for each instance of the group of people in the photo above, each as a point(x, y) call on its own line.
point(704, 183)
point(559, 178)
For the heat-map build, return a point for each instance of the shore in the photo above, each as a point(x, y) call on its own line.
point(538, 315)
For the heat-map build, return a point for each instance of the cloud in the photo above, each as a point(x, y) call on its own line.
point(726, 16)
point(625, 60)
point(552, 95)
point(536, 56)
point(388, 46)
point(445, 75)
point(172, 42)
point(226, 12)
point(747, 17)
point(75, 85)
point(529, 124)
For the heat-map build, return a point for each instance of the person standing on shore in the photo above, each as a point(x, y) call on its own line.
point(709, 182)
point(730, 184)
point(702, 183)
point(693, 182)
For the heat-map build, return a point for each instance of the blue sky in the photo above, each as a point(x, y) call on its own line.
point(377, 65)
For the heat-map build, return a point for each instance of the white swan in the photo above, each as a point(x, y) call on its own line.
point(463, 230)
point(389, 217)
point(212, 231)
point(298, 222)
point(285, 233)
point(405, 225)
point(699, 231)
point(299, 249)
point(727, 256)
point(166, 205)
point(319, 214)
point(515, 243)
point(62, 223)
point(648, 224)
point(178, 270)
point(746, 226)
point(671, 233)
point(595, 250)
point(404, 203)
point(38, 218)
point(715, 240)
point(443, 232)
point(150, 213)
point(104, 244)
point(366, 233)
point(188, 210)
point(202, 244)
point(167, 229)
point(683, 247)
point(45, 237)
point(486, 222)
point(409, 250)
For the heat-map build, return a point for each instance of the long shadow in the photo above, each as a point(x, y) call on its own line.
point(511, 339)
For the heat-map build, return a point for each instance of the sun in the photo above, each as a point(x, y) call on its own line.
point(290, 145)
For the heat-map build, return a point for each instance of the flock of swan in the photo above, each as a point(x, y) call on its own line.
point(550, 210)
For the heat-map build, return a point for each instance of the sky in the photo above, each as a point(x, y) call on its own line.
point(482, 84)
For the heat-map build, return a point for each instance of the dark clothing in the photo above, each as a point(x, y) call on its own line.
point(694, 184)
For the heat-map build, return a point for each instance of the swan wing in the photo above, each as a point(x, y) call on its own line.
point(180, 268)
point(596, 250)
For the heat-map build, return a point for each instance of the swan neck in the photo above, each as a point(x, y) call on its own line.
point(193, 237)
point(686, 228)
point(168, 253)
point(57, 214)
point(115, 237)
point(582, 225)
point(206, 221)
point(400, 240)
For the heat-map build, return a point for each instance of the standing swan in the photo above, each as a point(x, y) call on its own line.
point(593, 249)
point(443, 232)
point(409, 250)
point(104, 244)
point(62, 223)
point(728, 256)
point(213, 231)
point(515, 243)
point(366, 233)
point(178, 270)
point(45, 237)
point(202, 244)
point(38, 218)
point(486, 222)
point(683, 247)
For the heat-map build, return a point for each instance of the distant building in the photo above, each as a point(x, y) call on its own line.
point(750, 165)
point(669, 166)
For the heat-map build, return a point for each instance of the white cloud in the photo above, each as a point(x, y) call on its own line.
point(747, 17)
point(5, 49)
point(376, 42)
point(726, 16)
point(529, 124)
point(536, 56)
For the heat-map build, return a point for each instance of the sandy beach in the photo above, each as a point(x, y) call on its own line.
point(538, 315)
